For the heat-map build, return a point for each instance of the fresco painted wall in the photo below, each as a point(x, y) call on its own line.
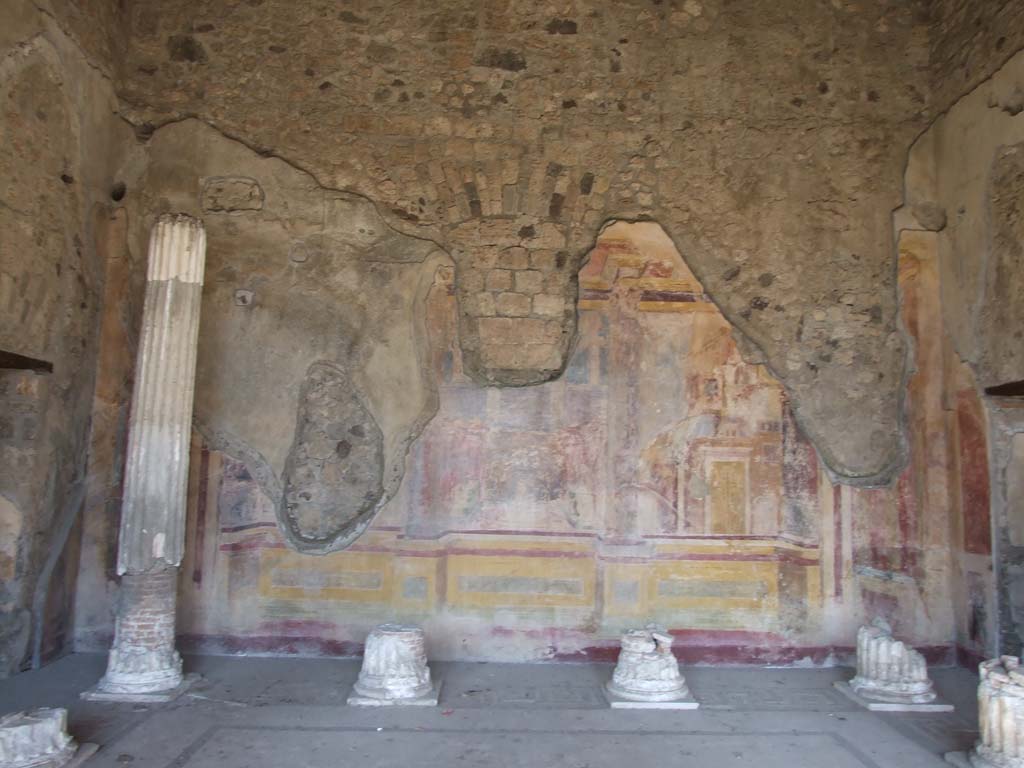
point(963, 182)
point(661, 478)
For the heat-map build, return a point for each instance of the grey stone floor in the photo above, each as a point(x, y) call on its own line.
point(291, 713)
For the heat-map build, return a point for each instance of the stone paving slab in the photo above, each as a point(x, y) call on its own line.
point(237, 747)
point(264, 713)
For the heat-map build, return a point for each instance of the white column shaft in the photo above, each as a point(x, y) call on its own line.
point(156, 472)
point(143, 659)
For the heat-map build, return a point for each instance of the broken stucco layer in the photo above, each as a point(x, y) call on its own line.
point(508, 134)
point(312, 346)
point(332, 479)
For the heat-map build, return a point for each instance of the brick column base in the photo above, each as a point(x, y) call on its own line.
point(143, 659)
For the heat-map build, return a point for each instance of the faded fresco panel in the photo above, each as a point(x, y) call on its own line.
point(974, 471)
point(661, 478)
point(728, 497)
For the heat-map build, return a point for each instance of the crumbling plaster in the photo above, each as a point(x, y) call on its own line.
point(768, 141)
point(311, 330)
point(970, 40)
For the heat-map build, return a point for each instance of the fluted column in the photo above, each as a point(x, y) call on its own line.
point(888, 670)
point(143, 659)
point(1000, 715)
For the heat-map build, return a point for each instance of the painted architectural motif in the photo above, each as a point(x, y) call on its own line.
point(661, 478)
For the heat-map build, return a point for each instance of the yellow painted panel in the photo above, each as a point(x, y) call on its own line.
point(813, 587)
point(676, 306)
point(713, 547)
point(626, 260)
point(673, 284)
point(527, 544)
point(624, 592)
point(362, 577)
point(416, 582)
point(482, 581)
point(728, 483)
point(732, 619)
point(711, 585)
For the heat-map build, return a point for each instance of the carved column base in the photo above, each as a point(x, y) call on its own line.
point(394, 669)
point(647, 672)
point(135, 671)
point(894, 692)
point(1000, 717)
point(36, 739)
point(642, 690)
point(143, 664)
point(982, 757)
point(888, 670)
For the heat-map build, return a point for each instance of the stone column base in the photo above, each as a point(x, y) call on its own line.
point(618, 702)
point(894, 692)
point(137, 670)
point(120, 693)
point(143, 664)
point(395, 669)
point(875, 705)
point(428, 699)
point(36, 739)
point(647, 675)
point(974, 759)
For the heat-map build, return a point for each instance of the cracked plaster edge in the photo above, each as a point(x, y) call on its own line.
point(750, 349)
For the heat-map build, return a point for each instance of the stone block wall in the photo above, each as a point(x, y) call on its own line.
point(769, 144)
